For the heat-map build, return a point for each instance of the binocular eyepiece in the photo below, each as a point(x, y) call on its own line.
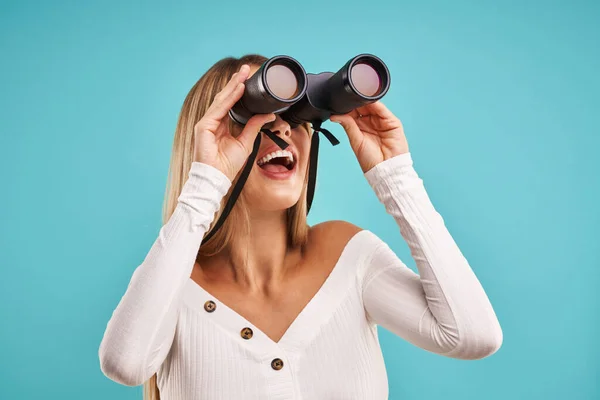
point(282, 86)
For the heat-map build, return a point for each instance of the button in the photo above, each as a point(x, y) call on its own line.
point(210, 306)
point(277, 364)
point(247, 333)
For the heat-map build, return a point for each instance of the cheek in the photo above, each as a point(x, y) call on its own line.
point(302, 142)
point(305, 157)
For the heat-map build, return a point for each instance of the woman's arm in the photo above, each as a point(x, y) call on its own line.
point(139, 334)
point(444, 308)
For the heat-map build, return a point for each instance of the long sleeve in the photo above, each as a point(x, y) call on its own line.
point(443, 308)
point(141, 329)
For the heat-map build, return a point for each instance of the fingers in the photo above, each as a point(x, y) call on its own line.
point(252, 129)
point(351, 127)
point(229, 95)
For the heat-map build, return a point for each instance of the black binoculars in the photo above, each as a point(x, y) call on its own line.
point(282, 86)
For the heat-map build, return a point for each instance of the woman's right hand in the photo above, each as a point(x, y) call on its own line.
point(213, 143)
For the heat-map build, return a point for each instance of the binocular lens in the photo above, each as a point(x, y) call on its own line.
point(274, 87)
point(282, 81)
point(365, 79)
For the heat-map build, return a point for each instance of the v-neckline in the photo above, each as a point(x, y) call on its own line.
point(298, 332)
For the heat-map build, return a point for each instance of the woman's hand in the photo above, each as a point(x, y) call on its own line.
point(213, 143)
point(375, 134)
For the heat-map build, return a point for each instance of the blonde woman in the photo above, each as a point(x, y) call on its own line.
point(269, 307)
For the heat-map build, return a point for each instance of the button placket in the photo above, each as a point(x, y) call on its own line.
point(269, 357)
point(278, 370)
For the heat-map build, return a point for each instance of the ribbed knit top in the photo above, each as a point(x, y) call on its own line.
point(166, 323)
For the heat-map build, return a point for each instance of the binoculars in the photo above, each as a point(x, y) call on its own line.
point(282, 86)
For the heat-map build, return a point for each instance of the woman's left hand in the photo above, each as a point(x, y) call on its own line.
point(375, 134)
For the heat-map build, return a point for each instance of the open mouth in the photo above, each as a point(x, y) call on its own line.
point(279, 161)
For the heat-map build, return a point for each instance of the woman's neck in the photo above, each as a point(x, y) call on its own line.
point(259, 261)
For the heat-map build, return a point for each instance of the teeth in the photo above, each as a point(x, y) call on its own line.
point(279, 153)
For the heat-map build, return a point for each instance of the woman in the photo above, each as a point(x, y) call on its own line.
point(269, 307)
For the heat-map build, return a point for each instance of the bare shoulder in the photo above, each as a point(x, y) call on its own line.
point(329, 238)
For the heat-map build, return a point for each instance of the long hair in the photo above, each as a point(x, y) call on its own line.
point(236, 226)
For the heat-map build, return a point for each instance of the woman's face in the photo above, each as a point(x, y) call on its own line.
point(274, 183)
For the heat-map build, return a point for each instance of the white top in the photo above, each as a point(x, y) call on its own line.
point(331, 351)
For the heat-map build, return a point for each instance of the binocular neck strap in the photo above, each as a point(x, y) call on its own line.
point(314, 155)
point(236, 190)
point(312, 172)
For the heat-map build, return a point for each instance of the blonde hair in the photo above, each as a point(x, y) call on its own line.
point(236, 226)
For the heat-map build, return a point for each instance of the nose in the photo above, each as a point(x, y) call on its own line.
point(279, 127)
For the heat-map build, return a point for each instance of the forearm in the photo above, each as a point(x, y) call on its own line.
point(450, 312)
point(140, 331)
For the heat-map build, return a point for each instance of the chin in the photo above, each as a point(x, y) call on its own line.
point(274, 201)
point(268, 193)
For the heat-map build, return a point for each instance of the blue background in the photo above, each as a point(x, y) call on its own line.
point(500, 103)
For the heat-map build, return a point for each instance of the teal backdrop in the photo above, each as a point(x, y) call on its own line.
point(500, 103)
